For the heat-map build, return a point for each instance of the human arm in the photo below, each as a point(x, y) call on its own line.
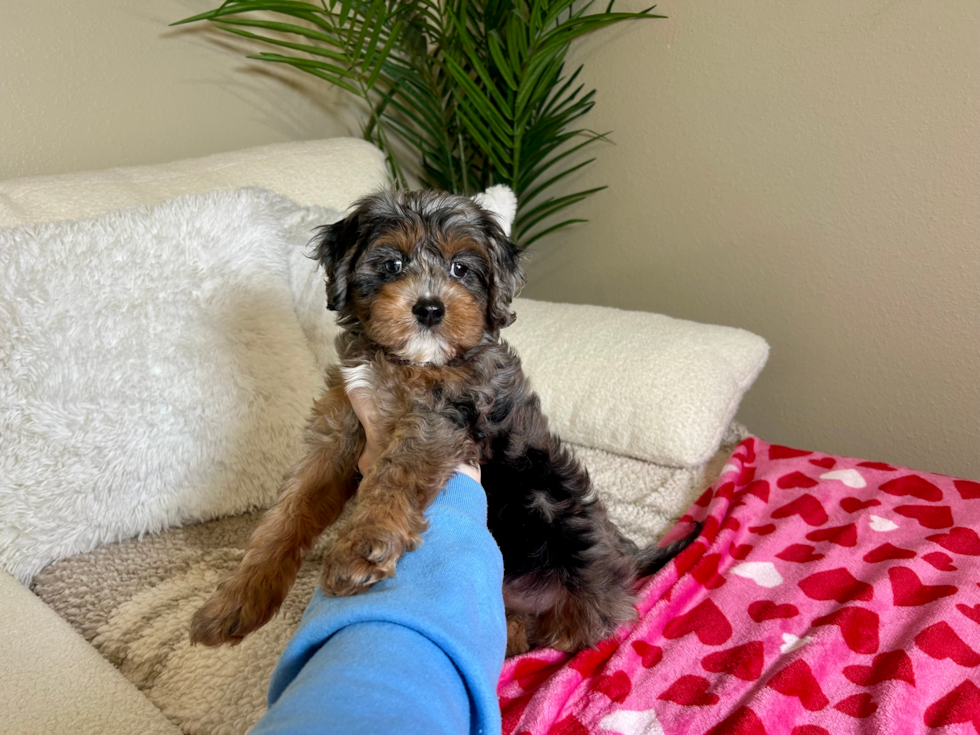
point(367, 413)
point(417, 653)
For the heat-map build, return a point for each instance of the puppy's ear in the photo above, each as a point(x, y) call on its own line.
point(501, 202)
point(334, 247)
point(506, 279)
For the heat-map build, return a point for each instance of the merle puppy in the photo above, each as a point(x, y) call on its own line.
point(422, 283)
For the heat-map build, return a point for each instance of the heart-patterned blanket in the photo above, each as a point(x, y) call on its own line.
point(824, 595)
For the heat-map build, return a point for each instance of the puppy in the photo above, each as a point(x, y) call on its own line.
point(422, 283)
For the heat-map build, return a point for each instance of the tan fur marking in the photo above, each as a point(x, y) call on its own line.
point(449, 246)
point(406, 236)
point(392, 323)
point(464, 321)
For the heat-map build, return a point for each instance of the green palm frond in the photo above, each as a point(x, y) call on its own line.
point(475, 88)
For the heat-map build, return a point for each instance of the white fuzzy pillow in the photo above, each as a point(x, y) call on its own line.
point(155, 368)
point(644, 385)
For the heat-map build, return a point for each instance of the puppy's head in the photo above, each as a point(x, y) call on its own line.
point(426, 275)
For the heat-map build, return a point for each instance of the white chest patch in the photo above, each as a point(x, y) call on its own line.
point(359, 376)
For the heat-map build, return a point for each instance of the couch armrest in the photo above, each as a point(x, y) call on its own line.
point(52, 681)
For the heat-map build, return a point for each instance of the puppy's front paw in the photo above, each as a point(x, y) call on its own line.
point(232, 612)
point(359, 560)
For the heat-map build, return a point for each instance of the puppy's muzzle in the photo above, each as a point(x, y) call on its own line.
point(429, 312)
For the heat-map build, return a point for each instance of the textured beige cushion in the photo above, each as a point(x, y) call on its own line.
point(52, 681)
point(331, 173)
point(644, 385)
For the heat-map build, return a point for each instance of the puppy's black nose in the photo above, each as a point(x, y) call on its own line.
point(429, 312)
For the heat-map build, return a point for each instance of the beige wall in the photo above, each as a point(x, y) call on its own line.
point(808, 171)
point(89, 84)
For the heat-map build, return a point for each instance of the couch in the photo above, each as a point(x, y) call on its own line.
point(53, 679)
point(162, 336)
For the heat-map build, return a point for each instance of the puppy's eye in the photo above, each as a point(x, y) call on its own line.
point(458, 270)
point(393, 266)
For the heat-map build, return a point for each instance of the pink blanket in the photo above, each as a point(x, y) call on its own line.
point(825, 595)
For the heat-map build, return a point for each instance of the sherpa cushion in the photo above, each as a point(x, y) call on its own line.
point(644, 385)
point(155, 368)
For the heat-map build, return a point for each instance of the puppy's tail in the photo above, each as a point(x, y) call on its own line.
point(652, 558)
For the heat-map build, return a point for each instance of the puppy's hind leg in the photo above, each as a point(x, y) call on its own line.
point(564, 561)
point(312, 497)
point(517, 633)
point(583, 606)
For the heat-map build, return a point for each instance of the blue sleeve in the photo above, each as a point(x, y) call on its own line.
point(418, 653)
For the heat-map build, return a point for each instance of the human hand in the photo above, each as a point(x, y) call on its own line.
point(367, 414)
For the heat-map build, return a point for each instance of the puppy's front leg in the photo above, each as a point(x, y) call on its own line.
point(312, 497)
point(388, 519)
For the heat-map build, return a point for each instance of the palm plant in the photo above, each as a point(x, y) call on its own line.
point(475, 89)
